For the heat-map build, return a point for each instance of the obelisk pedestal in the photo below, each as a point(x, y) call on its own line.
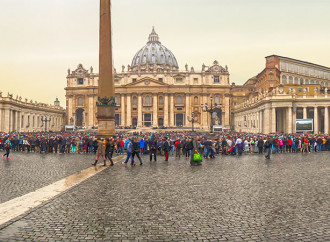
point(106, 89)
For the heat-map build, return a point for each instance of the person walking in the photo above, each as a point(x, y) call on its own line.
point(166, 147)
point(129, 149)
point(197, 149)
point(110, 147)
point(267, 147)
point(7, 146)
point(153, 146)
point(136, 150)
point(100, 152)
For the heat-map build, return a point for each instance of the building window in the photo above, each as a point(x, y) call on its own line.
point(283, 66)
point(147, 100)
point(217, 100)
point(216, 79)
point(80, 101)
point(179, 109)
point(284, 80)
point(160, 122)
point(134, 101)
point(80, 81)
point(134, 80)
point(312, 81)
point(290, 80)
point(134, 109)
point(179, 80)
point(296, 81)
point(300, 89)
point(195, 80)
point(306, 81)
point(161, 100)
point(196, 100)
point(160, 79)
point(301, 81)
point(117, 100)
point(160, 109)
point(117, 119)
point(179, 99)
point(317, 82)
point(271, 76)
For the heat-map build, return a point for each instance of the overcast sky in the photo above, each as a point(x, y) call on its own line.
point(41, 39)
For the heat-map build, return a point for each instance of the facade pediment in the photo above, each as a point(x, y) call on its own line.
point(146, 82)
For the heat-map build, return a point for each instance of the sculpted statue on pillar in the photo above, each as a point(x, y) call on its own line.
point(128, 68)
point(91, 69)
point(69, 71)
point(122, 68)
point(186, 66)
point(192, 69)
point(203, 67)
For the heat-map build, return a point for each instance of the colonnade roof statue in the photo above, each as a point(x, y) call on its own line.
point(154, 53)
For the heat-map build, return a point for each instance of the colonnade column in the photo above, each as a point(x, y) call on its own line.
point(204, 122)
point(129, 111)
point(316, 121)
point(7, 121)
point(294, 117)
point(273, 130)
point(139, 124)
point(326, 120)
point(154, 112)
point(187, 109)
point(304, 112)
point(289, 118)
point(171, 110)
point(166, 111)
point(91, 111)
point(122, 109)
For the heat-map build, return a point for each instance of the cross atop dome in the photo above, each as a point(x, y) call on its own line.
point(153, 37)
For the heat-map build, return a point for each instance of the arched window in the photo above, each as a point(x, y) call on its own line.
point(301, 81)
point(284, 79)
point(161, 101)
point(80, 101)
point(196, 99)
point(116, 100)
point(179, 99)
point(322, 84)
point(317, 82)
point(134, 100)
point(290, 80)
point(147, 99)
point(312, 81)
point(296, 81)
point(306, 81)
point(217, 100)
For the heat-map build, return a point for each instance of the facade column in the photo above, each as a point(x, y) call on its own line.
point(188, 113)
point(304, 112)
point(266, 124)
point(294, 117)
point(155, 111)
point(129, 111)
point(227, 111)
point(91, 112)
point(172, 111)
point(273, 129)
point(326, 120)
point(166, 111)
point(7, 120)
point(316, 120)
point(205, 124)
point(139, 123)
point(289, 120)
point(123, 110)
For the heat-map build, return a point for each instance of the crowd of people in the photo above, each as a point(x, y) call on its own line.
point(135, 145)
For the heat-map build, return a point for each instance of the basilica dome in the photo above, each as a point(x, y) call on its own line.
point(154, 53)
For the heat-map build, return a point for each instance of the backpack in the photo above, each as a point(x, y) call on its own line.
point(190, 145)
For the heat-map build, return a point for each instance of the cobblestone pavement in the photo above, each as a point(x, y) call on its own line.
point(286, 198)
point(26, 172)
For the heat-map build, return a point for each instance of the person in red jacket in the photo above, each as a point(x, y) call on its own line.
point(290, 144)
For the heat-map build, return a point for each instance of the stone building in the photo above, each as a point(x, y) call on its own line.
point(27, 116)
point(153, 92)
point(287, 90)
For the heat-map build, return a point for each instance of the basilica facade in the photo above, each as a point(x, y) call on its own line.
point(154, 92)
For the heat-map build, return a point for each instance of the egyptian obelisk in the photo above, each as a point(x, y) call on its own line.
point(106, 89)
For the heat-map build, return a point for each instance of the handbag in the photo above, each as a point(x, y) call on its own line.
point(197, 157)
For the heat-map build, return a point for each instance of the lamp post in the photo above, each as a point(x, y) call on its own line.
point(205, 108)
point(192, 119)
point(45, 120)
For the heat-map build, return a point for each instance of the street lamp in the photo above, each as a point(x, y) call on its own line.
point(205, 108)
point(192, 119)
point(45, 120)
